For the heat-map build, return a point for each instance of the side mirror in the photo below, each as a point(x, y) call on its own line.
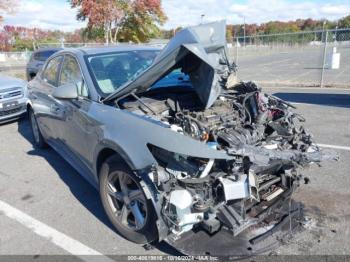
point(67, 91)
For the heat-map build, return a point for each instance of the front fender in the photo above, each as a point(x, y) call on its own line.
point(112, 145)
point(130, 134)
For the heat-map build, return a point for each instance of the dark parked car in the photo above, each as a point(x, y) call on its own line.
point(176, 152)
point(37, 60)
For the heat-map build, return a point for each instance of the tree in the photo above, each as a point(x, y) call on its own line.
point(344, 22)
point(7, 7)
point(106, 14)
point(142, 20)
point(229, 33)
point(136, 20)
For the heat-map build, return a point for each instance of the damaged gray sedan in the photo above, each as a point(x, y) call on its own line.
point(178, 149)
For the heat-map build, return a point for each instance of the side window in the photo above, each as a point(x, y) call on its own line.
point(42, 55)
point(51, 71)
point(36, 56)
point(71, 74)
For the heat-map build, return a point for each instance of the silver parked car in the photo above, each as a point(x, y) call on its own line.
point(177, 150)
point(13, 98)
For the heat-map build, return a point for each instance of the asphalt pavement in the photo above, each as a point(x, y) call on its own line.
point(294, 66)
point(45, 204)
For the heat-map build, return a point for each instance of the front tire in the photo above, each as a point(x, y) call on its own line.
point(125, 203)
point(39, 140)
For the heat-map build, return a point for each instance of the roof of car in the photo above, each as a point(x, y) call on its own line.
point(48, 49)
point(110, 49)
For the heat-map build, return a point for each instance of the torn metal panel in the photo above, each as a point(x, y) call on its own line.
point(263, 157)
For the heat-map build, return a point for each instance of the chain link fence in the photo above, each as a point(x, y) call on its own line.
point(77, 45)
point(310, 59)
point(304, 59)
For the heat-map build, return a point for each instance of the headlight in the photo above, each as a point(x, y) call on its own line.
point(181, 166)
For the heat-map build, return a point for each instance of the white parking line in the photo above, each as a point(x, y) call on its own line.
point(61, 240)
point(306, 88)
point(335, 146)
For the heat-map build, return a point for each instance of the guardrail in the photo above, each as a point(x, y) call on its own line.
point(14, 57)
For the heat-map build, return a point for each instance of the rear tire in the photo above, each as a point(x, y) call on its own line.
point(38, 139)
point(125, 203)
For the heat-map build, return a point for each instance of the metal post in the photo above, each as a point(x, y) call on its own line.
point(302, 41)
point(323, 27)
point(202, 17)
point(244, 32)
point(335, 33)
point(324, 58)
point(236, 62)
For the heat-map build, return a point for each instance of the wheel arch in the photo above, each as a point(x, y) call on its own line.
point(29, 107)
point(107, 151)
point(102, 156)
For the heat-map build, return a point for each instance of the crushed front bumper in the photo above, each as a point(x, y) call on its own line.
point(259, 238)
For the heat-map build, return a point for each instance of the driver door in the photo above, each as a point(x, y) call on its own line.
point(77, 133)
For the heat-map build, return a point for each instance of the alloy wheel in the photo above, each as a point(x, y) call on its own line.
point(127, 200)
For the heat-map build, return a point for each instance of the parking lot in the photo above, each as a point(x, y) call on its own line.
point(47, 208)
point(293, 66)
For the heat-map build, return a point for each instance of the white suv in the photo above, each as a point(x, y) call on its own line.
point(13, 98)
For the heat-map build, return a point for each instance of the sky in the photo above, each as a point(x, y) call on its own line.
point(57, 14)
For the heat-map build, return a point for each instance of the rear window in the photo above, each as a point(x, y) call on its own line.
point(43, 55)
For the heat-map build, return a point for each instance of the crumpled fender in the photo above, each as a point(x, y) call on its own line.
point(264, 157)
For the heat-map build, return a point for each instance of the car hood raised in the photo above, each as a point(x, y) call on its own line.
point(200, 52)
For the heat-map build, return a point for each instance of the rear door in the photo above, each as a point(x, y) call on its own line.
point(40, 91)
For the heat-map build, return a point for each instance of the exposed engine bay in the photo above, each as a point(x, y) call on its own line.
point(262, 133)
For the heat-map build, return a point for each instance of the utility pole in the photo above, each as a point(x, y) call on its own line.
point(324, 25)
point(324, 53)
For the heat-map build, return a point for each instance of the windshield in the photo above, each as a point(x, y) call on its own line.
point(175, 78)
point(112, 70)
point(43, 55)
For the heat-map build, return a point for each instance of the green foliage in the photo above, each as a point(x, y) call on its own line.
point(93, 33)
point(344, 22)
point(139, 27)
point(22, 44)
point(229, 35)
point(276, 27)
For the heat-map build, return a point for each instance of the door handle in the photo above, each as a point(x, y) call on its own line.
point(55, 109)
